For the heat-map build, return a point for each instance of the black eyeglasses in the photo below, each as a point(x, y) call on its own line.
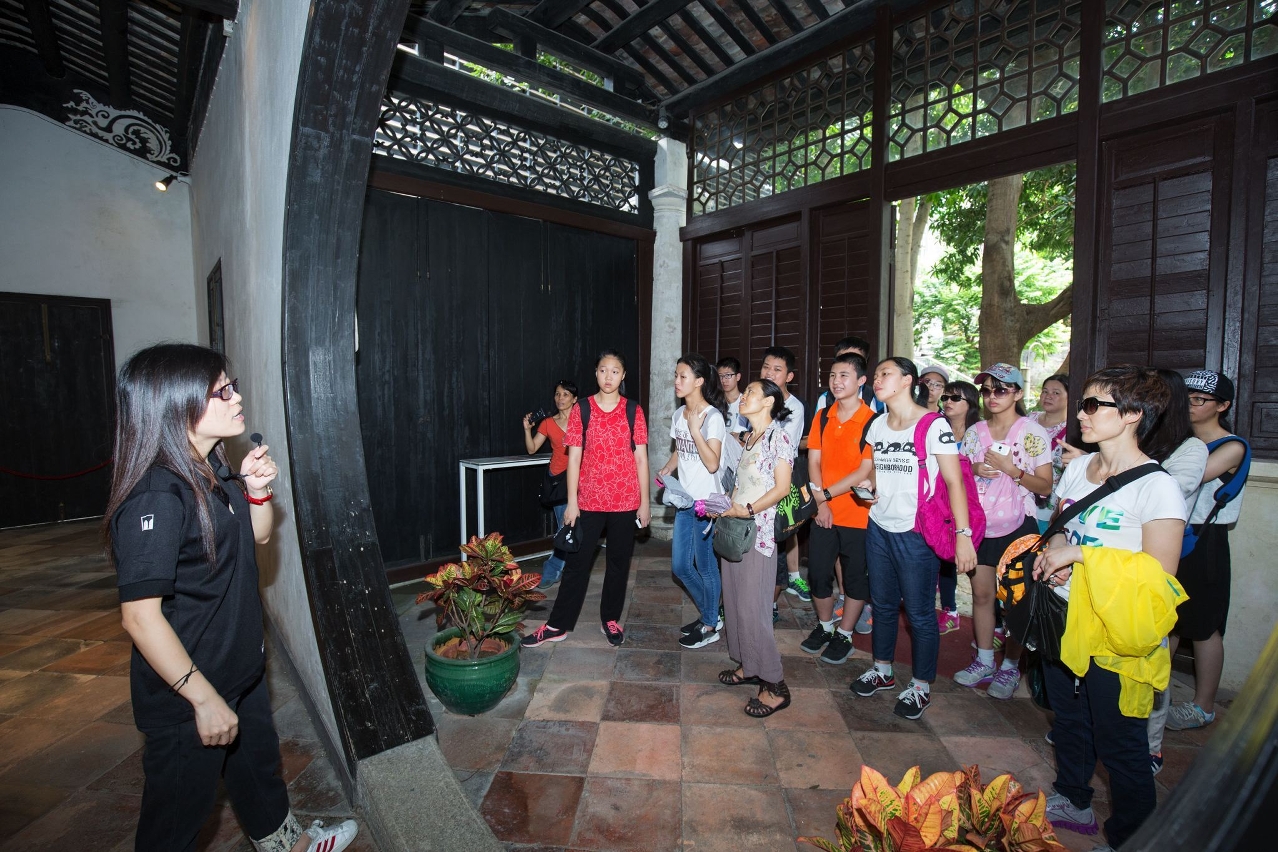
point(1091, 405)
point(1198, 401)
point(997, 392)
point(958, 397)
point(226, 391)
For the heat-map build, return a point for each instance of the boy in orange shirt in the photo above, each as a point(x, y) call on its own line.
point(838, 459)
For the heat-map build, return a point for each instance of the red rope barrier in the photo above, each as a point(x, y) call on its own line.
point(78, 473)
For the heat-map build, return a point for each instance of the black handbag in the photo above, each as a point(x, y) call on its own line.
point(554, 489)
point(566, 540)
point(1033, 613)
point(795, 509)
point(734, 537)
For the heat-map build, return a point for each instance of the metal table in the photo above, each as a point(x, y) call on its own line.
point(482, 466)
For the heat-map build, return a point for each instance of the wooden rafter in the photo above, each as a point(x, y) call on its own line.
point(818, 8)
point(729, 28)
point(503, 21)
point(664, 55)
point(446, 11)
point(113, 16)
point(790, 19)
point(639, 23)
point(190, 59)
point(650, 68)
point(712, 44)
point(530, 71)
point(755, 21)
point(681, 44)
point(552, 13)
point(46, 38)
point(420, 78)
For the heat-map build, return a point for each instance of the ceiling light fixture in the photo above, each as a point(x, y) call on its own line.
point(163, 184)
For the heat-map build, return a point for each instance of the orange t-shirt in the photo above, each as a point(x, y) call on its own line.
point(841, 453)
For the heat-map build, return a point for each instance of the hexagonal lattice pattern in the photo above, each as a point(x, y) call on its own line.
point(810, 126)
point(460, 141)
point(972, 68)
point(1152, 43)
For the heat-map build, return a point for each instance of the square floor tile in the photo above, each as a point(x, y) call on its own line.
point(558, 747)
point(78, 758)
point(704, 664)
point(734, 818)
point(113, 817)
point(650, 637)
point(642, 702)
point(85, 701)
point(815, 759)
point(894, 754)
point(623, 814)
point(716, 705)
point(966, 713)
point(523, 808)
point(636, 750)
point(474, 743)
point(24, 803)
point(809, 710)
point(804, 672)
point(569, 661)
point(35, 689)
point(995, 755)
point(21, 737)
point(874, 713)
point(641, 612)
point(97, 659)
point(815, 812)
point(41, 654)
point(637, 665)
point(724, 755)
point(568, 700)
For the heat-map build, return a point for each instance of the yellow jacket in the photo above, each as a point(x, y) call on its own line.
point(1122, 605)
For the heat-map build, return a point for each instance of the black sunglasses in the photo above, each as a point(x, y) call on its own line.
point(1091, 405)
point(226, 391)
point(958, 397)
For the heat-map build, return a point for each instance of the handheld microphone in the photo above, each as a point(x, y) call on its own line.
point(256, 438)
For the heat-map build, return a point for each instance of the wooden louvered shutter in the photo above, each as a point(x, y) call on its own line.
point(777, 298)
point(846, 291)
point(1256, 411)
point(717, 299)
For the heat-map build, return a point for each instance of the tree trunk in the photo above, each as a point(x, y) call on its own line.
point(910, 229)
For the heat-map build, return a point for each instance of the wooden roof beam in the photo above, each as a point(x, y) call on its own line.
point(45, 36)
point(790, 19)
point(446, 11)
point(752, 16)
point(712, 44)
point(726, 24)
point(669, 61)
point(639, 23)
point(225, 9)
point(190, 59)
point(813, 41)
point(421, 78)
point(530, 71)
point(113, 17)
point(569, 49)
point(552, 13)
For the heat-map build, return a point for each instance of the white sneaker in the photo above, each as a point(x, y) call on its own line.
point(1061, 813)
point(335, 838)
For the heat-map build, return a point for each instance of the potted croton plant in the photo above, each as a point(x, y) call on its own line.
point(948, 810)
point(474, 658)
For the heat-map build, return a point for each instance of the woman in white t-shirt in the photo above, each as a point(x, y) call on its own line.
point(1012, 462)
point(902, 566)
point(1053, 416)
point(698, 431)
point(1120, 406)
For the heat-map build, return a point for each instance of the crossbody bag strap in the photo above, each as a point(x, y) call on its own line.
point(1109, 486)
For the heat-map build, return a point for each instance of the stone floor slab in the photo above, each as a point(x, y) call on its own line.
point(637, 750)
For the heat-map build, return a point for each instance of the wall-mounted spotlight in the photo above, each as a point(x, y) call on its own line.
point(663, 118)
point(163, 184)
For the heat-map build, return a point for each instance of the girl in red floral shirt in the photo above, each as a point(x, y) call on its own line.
point(607, 490)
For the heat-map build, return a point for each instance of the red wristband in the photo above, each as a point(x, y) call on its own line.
point(259, 501)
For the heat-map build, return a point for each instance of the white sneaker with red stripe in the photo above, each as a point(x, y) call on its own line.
point(335, 838)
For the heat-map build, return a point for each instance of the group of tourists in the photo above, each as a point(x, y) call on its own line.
point(918, 478)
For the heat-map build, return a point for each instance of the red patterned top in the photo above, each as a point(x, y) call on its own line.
point(609, 479)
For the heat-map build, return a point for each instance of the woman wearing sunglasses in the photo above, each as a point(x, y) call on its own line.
point(1012, 460)
point(961, 405)
point(181, 529)
point(1121, 405)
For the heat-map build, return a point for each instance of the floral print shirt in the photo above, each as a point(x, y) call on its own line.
point(756, 476)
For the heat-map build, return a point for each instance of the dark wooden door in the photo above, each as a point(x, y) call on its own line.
point(57, 367)
point(846, 290)
point(1164, 226)
point(1256, 412)
point(467, 319)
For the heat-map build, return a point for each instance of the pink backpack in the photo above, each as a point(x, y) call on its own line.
point(934, 519)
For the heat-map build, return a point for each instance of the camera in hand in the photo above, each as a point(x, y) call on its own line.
point(539, 415)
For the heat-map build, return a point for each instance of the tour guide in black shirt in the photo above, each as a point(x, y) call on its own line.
point(182, 531)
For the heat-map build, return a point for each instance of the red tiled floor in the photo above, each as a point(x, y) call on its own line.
point(815, 759)
point(636, 750)
point(559, 747)
point(623, 814)
point(732, 818)
point(526, 808)
point(722, 755)
point(642, 702)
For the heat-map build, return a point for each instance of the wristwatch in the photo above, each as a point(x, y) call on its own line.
point(828, 495)
point(967, 531)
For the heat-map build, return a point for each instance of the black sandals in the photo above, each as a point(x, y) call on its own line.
point(758, 709)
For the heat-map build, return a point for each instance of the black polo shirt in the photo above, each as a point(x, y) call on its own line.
point(217, 613)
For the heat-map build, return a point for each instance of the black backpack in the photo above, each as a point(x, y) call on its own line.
point(632, 411)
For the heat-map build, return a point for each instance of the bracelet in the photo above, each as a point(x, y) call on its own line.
point(750, 509)
point(1020, 474)
point(181, 682)
point(260, 501)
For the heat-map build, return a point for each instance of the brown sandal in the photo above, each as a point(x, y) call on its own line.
point(735, 677)
point(758, 709)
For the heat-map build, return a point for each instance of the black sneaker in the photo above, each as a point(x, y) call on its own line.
point(816, 640)
point(911, 703)
point(837, 651)
point(700, 637)
point(871, 682)
point(690, 627)
point(613, 631)
point(543, 634)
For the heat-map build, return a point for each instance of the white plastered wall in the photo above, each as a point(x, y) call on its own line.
point(238, 180)
point(81, 218)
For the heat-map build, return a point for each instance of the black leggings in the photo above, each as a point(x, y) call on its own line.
point(182, 775)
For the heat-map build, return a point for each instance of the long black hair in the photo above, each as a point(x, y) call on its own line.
point(1013, 386)
point(162, 393)
point(710, 389)
point(1173, 426)
point(968, 391)
point(918, 390)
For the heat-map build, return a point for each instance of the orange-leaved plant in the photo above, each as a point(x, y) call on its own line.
point(484, 596)
point(948, 810)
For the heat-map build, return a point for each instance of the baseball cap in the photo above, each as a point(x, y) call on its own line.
point(1005, 373)
point(1211, 382)
point(938, 369)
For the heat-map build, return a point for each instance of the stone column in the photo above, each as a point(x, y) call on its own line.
point(670, 213)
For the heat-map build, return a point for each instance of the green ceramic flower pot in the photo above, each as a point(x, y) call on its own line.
point(471, 687)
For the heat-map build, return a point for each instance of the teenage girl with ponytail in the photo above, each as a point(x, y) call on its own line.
point(902, 566)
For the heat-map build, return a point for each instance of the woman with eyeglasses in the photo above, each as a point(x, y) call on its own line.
point(1012, 461)
point(1120, 407)
point(934, 379)
point(961, 405)
point(1053, 416)
point(181, 529)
